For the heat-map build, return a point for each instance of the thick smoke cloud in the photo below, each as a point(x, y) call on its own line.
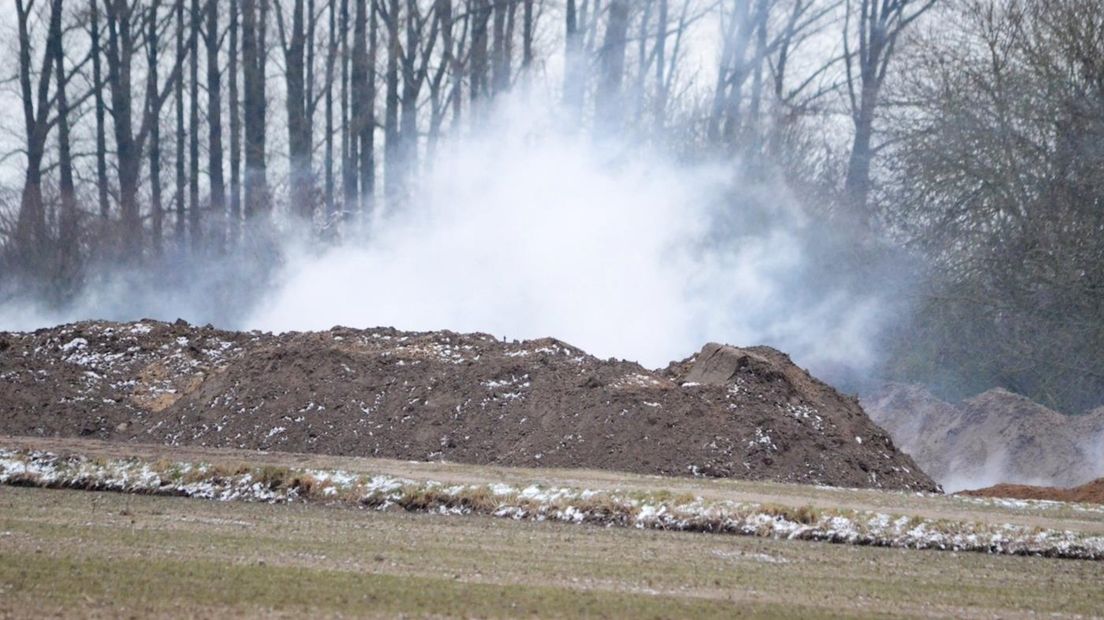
point(526, 232)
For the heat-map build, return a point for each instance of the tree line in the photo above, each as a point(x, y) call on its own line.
point(967, 131)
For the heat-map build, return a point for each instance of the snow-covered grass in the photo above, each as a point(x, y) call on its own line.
point(638, 509)
point(1030, 505)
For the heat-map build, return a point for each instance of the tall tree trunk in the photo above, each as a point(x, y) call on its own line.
point(481, 15)
point(181, 135)
point(879, 26)
point(348, 134)
point(643, 59)
point(214, 125)
point(589, 27)
point(30, 232)
point(458, 69)
point(660, 103)
point(101, 130)
point(68, 250)
point(195, 223)
point(392, 150)
point(254, 26)
point(671, 64)
point(752, 141)
point(612, 67)
point(310, 101)
point(331, 59)
point(856, 185)
point(310, 105)
point(574, 63)
point(359, 85)
point(500, 68)
point(299, 146)
point(871, 57)
point(508, 46)
point(234, 226)
point(527, 35)
point(152, 62)
point(120, 53)
point(438, 99)
point(736, 123)
point(367, 124)
point(129, 143)
point(724, 115)
point(411, 87)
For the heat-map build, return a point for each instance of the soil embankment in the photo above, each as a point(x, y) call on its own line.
point(726, 412)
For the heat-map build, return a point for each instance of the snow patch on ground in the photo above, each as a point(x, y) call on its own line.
point(657, 510)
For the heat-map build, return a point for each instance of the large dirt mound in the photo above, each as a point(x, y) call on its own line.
point(1090, 493)
point(995, 437)
point(747, 413)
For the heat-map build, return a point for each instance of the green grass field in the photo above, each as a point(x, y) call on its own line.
point(78, 553)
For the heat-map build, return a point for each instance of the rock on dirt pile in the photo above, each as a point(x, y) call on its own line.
point(994, 437)
point(726, 412)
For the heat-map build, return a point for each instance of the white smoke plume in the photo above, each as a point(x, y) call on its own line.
point(526, 232)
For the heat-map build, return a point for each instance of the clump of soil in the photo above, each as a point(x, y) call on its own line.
point(994, 437)
point(726, 412)
point(1090, 493)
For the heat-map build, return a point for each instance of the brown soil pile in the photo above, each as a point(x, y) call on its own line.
point(1090, 493)
point(727, 412)
point(994, 437)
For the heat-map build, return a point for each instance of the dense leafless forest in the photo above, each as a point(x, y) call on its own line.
point(964, 138)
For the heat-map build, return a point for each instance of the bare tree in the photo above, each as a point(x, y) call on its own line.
point(214, 122)
point(129, 138)
point(195, 224)
point(152, 63)
point(181, 132)
point(461, 66)
point(233, 229)
point(363, 95)
point(574, 61)
point(254, 27)
point(348, 133)
point(503, 11)
point(739, 22)
point(389, 14)
point(608, 100)
point(67, 219)
point(331, 59)
point(101, 130)
point(992, 172)
point(367, 116)
point(527, 29)
point(481, 14)
point(659, 104)
point(449, 63)
point(415, 67)
point(461, 47)
point(299, 143)
point(30, 232)
point(877, 28)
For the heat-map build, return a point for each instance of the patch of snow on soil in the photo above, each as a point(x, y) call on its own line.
point(539, 503)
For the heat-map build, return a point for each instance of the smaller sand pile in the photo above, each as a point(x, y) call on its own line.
point(994, 437)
